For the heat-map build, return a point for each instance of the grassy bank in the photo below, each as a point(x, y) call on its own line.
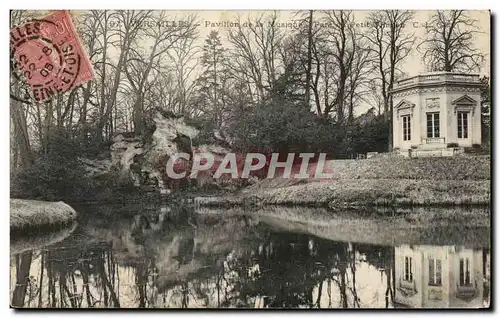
point(465, 167)
point(340, 194)
point(31, 215)
point(384, 181)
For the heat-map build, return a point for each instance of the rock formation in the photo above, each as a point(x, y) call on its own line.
point(142, 159)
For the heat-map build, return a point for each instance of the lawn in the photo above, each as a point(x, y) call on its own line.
point(384, 181)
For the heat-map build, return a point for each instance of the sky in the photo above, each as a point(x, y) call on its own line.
point(220, 21)
point(413, 63)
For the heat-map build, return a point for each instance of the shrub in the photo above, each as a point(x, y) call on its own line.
point(54, 175)
point(283, 126)
point(476, 146)
point(370, 136)
point(452, 145)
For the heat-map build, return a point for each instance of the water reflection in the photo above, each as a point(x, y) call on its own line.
point(439, 276)
point(207, 260)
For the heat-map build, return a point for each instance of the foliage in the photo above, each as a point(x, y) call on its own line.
point(282, 126)
point(55, 175)
point(485, 110)
point(373, 136)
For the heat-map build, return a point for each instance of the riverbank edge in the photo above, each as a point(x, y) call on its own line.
point(341, 194)
point(32, 216)
point(412, 226)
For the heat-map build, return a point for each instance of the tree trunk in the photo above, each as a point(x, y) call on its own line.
point(21, 134)
point(138, 115)
point(309, 59)
point(22, 279)
point(390, 145)
point(83, 114)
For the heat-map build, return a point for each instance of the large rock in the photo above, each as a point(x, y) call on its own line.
point(166, 132)
point(164, 143)
point(124, 149)
point(140, 159)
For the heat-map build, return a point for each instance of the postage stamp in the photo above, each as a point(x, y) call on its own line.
point(49, 53)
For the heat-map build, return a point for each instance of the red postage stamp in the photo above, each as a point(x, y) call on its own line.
point(50, 54)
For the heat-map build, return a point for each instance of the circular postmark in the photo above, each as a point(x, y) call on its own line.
point(45, 53)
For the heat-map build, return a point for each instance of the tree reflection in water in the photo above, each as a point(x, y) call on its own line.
point(235, 262)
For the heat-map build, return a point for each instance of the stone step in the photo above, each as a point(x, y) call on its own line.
point(444, 152)
point(432, 146)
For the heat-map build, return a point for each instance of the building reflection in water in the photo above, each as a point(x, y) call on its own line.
point(439, 276)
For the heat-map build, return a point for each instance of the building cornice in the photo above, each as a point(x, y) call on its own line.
point(437, 79)
point(478, 85)
point(415, 89)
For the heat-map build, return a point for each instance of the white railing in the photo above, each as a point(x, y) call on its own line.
point(465, 77)
point(429, 78)
point(408, 81)
point(437, 140)
point(439, 77)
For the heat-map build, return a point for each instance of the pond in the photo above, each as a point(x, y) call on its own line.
point(271, 258)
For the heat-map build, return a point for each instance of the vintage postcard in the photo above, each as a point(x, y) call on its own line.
point(315, 159)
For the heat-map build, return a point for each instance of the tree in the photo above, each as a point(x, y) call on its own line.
point(210, 81)
point(341, 36)
point(341, 61)
point(129, 25)
point(96, 35)
point(302, 47)
point(183, 55)
point(139, 66)
point(309, 56)
point(282, 124)
point(449, 45)
point(255, 56)
point(20, 102)
point(391, 45)
point(359, 76)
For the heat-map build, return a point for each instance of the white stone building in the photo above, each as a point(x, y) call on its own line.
point(438, 276)
point(436, 114)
